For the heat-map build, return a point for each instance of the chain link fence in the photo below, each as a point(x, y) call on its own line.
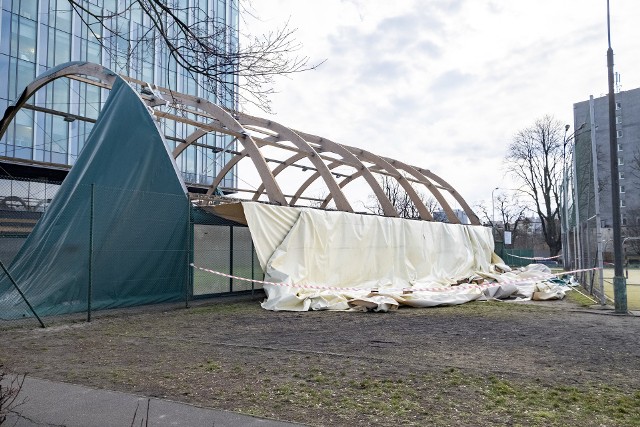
point(99, 248)
point(585, 236)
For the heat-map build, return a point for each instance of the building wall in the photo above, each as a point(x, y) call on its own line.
point(36, 35)
point(628, 145)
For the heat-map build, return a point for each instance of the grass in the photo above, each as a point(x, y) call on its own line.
point(210, 366)
point(577, 297)
point(329, 389)
point(459, 399)
point(226, 308)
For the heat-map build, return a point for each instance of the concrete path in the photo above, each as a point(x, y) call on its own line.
point(50, 403)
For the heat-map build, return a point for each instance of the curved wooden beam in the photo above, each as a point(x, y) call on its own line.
point(385, 203)
point(390, 166)
point(330, 146)
point(342, 183)
point(383, 164)
point(451, 215)
point(190, 139)
point(404, 183)
point(282, 166)
point(63, 70)
point(310, 180)
point(473, 218)
point(287, 134)
point(419, 174)
point(228, 122)
point(225, 170)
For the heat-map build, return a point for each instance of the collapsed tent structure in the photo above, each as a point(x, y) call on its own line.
point(120, 231)
point(328, 260)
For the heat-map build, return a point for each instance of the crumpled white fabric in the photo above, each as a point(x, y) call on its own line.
point(376, 263)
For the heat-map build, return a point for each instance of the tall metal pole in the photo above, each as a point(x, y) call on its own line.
point(90, 284)
point(619, 282)
point(576, 208)
point(564, 224)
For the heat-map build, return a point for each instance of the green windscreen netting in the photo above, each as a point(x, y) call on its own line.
point(117, 232)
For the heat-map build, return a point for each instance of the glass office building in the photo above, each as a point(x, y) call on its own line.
point(37, 35)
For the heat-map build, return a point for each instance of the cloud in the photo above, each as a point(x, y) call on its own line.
point(449, 82)
point(445, 85)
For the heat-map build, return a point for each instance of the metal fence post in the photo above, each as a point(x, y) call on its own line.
point(90, 285)
point(21, 294)
point(253, 259)
point(230, 258)
point(190, 239)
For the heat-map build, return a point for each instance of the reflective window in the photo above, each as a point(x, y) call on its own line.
point(23, 137)
point(94, 52)
point(27, 40)
point(63, 15)
point(35, 35)
point(26, 8)
point(111, 5)
point(5, 35)
point(26, 74)
point(62, 48)
point(60, 95)
point(59, 140)
point(4, 71)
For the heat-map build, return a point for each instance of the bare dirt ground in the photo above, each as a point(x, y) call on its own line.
point(478, 364)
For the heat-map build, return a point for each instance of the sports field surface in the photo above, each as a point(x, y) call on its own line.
point(633, 286)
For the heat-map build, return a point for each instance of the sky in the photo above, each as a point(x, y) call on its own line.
point(445, 85)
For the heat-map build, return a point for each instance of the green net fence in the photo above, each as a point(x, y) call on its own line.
point(118, 248)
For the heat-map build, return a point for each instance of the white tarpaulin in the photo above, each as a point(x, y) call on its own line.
point(368, 261)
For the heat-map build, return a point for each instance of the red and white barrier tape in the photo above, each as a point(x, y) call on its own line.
point(535, 258)
point(403, 290)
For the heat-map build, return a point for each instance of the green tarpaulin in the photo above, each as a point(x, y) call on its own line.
point(125, 199)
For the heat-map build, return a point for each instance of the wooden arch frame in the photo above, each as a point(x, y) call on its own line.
point(253, 133)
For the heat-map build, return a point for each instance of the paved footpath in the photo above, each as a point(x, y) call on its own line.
point(50, 403)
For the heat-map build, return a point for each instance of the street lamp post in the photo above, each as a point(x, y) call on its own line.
point(619, 282)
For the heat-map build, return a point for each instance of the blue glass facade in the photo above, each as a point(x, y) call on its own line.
point(36, 35)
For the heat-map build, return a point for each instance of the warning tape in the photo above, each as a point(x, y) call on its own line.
point(535, 258)
point(404, 290)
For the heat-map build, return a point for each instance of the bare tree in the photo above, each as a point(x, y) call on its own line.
point(511, 212)
point(10, 387)
point(631, 229)
point(400, 200)
point(201, 45)
point(535, 159)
